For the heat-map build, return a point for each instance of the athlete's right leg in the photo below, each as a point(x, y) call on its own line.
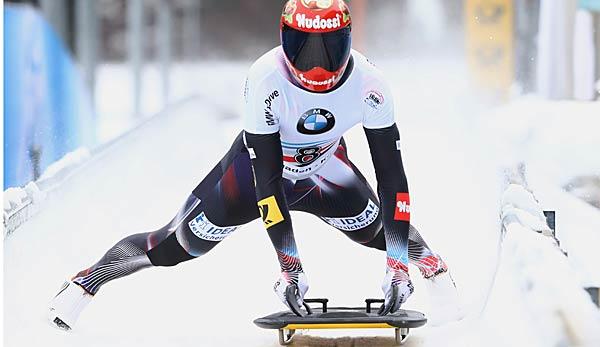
point(139, 251)
point(220, 204)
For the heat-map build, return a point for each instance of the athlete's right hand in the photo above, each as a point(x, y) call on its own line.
point(291, 288)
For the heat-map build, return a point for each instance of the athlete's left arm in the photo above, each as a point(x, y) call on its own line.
point(384, 142)
point(392, 188)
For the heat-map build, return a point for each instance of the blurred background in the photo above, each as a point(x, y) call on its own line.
point(82, 72)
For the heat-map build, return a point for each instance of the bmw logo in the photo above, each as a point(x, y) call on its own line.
point(316, 121)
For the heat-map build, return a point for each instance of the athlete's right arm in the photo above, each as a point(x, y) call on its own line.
point(265, 152)
point(261, 136)
point(266, 157)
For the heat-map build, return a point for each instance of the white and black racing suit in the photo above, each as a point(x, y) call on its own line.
point(291, 156)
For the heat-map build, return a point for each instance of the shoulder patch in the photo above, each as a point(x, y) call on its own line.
point(374, 99)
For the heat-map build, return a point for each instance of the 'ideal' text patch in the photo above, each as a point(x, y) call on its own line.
point(364, 219)
point(206, 230)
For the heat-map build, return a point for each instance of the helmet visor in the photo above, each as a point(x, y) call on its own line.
point(306, 51)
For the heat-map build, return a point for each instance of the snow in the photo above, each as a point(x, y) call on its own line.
point(21, 203)
point(70, 160)
point(557, 141)
point(559, 308)
point(14, 198)
point(520, 203)
point(577, 225)
point(455, 173)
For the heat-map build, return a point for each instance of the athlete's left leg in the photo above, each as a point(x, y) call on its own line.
point(341, 196)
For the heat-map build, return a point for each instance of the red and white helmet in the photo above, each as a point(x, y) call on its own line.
point(315, 36)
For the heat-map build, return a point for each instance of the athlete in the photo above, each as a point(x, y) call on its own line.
point(301, 97)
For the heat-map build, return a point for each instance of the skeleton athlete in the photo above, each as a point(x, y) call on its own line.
point(301, 97)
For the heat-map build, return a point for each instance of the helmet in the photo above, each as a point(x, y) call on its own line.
point(315, 36)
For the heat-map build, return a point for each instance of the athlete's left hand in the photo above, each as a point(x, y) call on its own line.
point(397, 287)
point(291, 288)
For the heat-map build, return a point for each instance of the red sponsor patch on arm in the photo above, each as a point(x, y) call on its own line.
point(402, 210)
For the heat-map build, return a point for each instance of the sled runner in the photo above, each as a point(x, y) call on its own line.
point(324, 317)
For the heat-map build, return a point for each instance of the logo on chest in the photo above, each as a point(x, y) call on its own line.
point(316, 121)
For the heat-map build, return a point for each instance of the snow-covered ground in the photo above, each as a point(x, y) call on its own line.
point(557, 141)
point(136, 185)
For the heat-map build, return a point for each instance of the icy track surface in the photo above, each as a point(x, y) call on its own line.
point(138, 184)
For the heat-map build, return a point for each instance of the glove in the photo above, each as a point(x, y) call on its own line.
point(291, 288)
point(397, 287)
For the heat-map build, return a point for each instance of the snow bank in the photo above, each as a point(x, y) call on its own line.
point(60, 168)
point(577, 226)
point(556, 142)
point(21, 203)
point(535, 284)
point(519, 205)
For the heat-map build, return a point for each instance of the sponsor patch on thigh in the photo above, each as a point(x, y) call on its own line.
point(202, 227)
point(364, 219)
